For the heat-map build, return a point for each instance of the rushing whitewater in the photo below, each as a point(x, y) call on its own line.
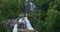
point(29, 6)
point(24, 19)
point(15, 28)
point(29, 26)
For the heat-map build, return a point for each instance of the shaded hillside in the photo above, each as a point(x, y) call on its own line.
point(46, 18)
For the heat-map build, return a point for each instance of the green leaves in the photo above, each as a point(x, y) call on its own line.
point(10, 8)
point(50, 22)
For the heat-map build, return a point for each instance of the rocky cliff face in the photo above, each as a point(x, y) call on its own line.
point(9, 23)
point(12, 21)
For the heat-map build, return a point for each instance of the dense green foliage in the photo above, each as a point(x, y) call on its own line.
point(10, 8)
point(50, 19)
point(45, 19)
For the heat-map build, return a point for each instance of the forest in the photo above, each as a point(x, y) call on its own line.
point(45, 18)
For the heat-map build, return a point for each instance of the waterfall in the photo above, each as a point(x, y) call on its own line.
point(29, 7)
point(15, 28)
point(29, 26)
point(32, 6)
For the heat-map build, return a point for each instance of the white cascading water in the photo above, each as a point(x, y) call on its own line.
point(15, 28)
point(32, 6)
point(25, 19)
point(29, 26)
